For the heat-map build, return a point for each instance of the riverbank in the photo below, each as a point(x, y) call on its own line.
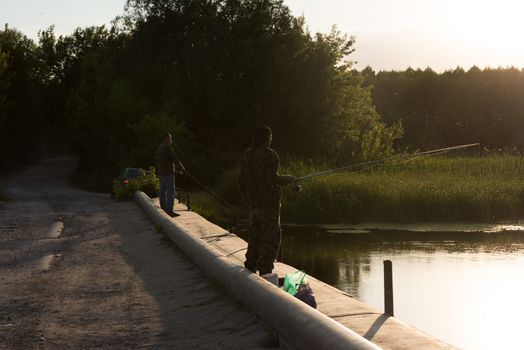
point(445, 189)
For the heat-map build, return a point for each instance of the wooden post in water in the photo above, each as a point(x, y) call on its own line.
point(388, 288)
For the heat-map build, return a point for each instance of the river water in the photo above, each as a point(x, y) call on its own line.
point(463, 284)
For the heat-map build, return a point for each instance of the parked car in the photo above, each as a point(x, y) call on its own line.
point(122, 180)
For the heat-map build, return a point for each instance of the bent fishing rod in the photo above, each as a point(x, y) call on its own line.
point(381, 161)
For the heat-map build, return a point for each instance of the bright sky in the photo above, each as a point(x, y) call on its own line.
point(441, 34)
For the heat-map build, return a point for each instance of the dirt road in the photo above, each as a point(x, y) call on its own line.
point(78, 271)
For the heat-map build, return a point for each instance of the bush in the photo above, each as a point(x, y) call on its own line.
point(147, 182)
point(3, 197)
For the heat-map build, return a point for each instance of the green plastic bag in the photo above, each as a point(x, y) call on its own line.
point(293, 280)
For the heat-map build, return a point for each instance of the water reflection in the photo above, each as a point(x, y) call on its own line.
point(462, 287)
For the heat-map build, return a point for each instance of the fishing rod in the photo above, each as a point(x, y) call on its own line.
point(381, 161)
point(233, 211)
point(213, 193)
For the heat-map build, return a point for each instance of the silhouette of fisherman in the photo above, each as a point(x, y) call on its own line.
point(260, 186)
point(165, 164)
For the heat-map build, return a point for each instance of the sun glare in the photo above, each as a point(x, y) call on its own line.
point(489, 28)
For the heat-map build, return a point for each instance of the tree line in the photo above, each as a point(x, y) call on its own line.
point(453, 107)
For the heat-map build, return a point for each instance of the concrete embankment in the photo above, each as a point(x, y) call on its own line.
point(340, 321)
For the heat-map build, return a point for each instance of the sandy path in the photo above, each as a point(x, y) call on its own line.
point(108, 281)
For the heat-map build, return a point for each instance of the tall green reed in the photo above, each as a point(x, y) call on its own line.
point(482, 189)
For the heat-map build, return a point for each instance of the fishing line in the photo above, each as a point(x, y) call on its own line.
point(365, 166)
point(236, 251)
point(378, 162)
point(213, 193)
point(218, 236)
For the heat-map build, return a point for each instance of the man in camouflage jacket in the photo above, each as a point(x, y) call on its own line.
point(165, 164)
point(260, 186)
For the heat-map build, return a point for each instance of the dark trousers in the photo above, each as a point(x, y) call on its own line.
point(264, 240)
point(167, 193)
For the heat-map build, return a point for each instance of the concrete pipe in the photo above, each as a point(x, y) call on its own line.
point(297, 323)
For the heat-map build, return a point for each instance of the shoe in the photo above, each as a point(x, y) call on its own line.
point(173, 215)
point(250, 268)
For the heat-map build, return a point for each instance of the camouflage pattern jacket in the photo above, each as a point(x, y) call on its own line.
point(258, 181)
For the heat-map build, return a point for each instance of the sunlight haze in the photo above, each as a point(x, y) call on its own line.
point(390, 35)
point(439, 34)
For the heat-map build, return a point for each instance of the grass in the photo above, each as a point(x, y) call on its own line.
point(210, 208)
point(439, 189)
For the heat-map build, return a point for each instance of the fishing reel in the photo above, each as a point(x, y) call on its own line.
point(297, 188)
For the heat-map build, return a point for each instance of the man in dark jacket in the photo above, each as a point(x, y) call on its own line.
point(165, 164)
point(260, 186)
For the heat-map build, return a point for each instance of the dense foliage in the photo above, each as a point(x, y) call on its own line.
point(207, 71)
point(147, 181)
point(3, 197)
point(454, 107)
point(22, 87)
